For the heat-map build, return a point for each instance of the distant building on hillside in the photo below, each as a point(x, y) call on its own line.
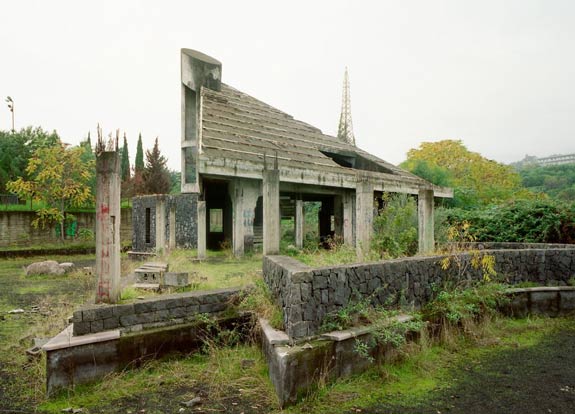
point(545, 161)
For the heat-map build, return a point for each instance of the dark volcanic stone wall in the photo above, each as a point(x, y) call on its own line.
point(151, 313)
point(307, 294)
point(186, 210)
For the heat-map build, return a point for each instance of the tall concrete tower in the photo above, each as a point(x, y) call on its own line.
point(345, 130)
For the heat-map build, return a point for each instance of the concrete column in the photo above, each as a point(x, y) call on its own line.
point(363, 217)
point(201, 229)
point(338, 217)
point(348, 207)
point(108, 225)
point(299, 219)
point(172, 244)
point(271, 213)
point(238, 218)
point(425, 221)
point(160, 224)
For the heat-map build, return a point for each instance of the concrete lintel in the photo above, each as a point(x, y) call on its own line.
point(65, 339)
point(346, 179)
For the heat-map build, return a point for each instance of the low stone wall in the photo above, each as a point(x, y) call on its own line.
point(151, 313)
point(307, 294)
point(16, 228)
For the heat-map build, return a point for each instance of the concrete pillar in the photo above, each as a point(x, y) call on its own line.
point(363, 217)
point(238, 218)
point(202, 229)
point(299, 219)
point(425, 221)
point(271, 213)
point(348, 210)
point(107, 225)
point(172, 244)
point(160, 224)
point(338, 217)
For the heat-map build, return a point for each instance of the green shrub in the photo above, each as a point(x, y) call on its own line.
point(395, 227)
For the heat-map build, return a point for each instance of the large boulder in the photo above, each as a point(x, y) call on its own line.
point(49, 267)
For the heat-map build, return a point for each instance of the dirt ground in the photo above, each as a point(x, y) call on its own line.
point(538, 379)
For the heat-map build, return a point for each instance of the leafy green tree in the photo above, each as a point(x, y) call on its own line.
point(125, 160)
point(477, 181)
point(175, 182)
point(557, 181)
point(59, 178)
point(139, 162)
point(156, 175)
point(16, 148)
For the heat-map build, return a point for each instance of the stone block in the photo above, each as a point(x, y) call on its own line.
point(178, 312)
point(544, 302)
point(177, 279)
point(161, 315)
point(77, 317)
point(144, 307)
point(128, 320)
point(190, 300)
point(97, 326)
point(89, 315)
point(567, 300)
point(212, 307)
point(319, 282)
point(104, 312)
point(111, 323)
point(192, 309)
point(81, 328)
point(146, 318)
point(299, 329)
point(121, 310)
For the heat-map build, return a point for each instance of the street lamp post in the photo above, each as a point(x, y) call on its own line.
point(10, 103)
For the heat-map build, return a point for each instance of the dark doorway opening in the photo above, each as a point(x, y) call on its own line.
point(218, 214)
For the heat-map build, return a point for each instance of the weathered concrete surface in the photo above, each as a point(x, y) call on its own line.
point(297, 368)
point(271, 211)
point(72, 361)
point(160, 224)
point(544, 300)
point(16, 227)
point(237, 196)
point(299, 220)
point(47, 267)
point(425, 221)
point(108, 241)
point(202, 230)
point(363, 216)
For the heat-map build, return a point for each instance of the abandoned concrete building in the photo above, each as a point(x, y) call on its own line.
point(247, 165)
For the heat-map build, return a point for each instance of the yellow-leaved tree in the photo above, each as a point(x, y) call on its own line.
point(59, 178)
point(477, 181)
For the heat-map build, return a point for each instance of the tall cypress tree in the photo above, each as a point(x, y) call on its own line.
point(139, 167)
point(125, 165)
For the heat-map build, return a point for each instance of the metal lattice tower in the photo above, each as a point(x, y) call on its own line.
point(345, 130)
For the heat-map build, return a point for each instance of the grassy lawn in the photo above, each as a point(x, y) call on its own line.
point(230, 378)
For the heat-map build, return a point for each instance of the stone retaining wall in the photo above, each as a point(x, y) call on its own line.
point(307, 294)
point(151, 313)
point(16, 228)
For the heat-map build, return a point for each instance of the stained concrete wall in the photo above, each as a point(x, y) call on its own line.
point(307, 294)
point(16, 228)
point(183, 206)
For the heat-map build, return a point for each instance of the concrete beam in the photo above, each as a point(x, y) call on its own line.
point(271, 211)
point(425, 221)
point(363, 216)
point(202, 229)
point(299, 220)
point(230, 167)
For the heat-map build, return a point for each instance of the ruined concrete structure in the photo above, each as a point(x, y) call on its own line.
point(108, 216)
point(246, 165)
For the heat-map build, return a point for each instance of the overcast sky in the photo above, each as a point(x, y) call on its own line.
point(498, 75)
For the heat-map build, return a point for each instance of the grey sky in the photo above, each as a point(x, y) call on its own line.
point(498, 75)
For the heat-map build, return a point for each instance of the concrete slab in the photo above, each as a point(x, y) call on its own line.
point(65, 339)
point(274, 336)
